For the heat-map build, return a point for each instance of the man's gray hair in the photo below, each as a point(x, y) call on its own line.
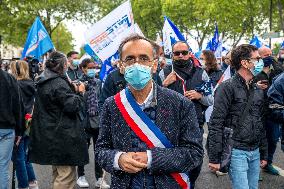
point(136, 37)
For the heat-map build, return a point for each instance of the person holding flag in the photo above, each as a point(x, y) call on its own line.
point(138, 143)
point(192, 82)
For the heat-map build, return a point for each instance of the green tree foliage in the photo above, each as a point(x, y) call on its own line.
point(236, 19)
point(16, 16)
point(62, 39)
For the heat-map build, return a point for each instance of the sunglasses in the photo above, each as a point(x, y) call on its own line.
point(177, 53)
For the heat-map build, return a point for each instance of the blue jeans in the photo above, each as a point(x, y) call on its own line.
point(7, 137)
point(244, 169)
point(24, 169)
point(272, 134)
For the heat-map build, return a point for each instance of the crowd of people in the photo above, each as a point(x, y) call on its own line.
point(146, 120)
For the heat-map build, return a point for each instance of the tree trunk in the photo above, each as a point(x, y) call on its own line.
point(279, 6)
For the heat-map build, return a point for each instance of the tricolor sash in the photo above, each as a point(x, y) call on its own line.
point(145, 129)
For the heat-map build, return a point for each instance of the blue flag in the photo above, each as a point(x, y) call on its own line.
point(107, 67)
point(256, 42)
point(171, 35)
point(282, 45)
point(214, 42)
point(90, 52)
point(38, 41)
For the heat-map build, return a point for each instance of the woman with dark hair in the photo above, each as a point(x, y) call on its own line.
point(209, 64)
point(93, 91)
point(24, 169)
point(57, 135)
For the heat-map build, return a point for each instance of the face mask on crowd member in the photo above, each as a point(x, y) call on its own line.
point(202, 61)
point(267, 61)
point(89, 67)
point(75, 62)
point(254, 65)
point(138, 63)
point(73, 58)
point(181, 55)
point(258, 66)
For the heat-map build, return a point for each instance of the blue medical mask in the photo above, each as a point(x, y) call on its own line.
point(91, 73)
point(137, 76)
point(258, 66)
point(76, 62)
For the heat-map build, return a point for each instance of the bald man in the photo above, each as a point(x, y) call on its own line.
point(270, 70)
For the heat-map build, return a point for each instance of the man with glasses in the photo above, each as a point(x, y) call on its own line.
point(190, 80)
point(149, 136)
point(238, 106)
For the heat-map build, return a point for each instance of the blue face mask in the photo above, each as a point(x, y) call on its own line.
point(91, 73)
point(137, 76)
point(258, 66)
point(75, 62)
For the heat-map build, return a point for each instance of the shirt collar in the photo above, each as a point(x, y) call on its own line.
point(148, 101)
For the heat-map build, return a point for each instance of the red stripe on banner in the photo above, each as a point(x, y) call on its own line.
point(130, 121)
point(180, 181)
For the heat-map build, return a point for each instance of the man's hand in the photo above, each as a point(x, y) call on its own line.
point(141, 157)
point(171, 78)
point(128, 164)
point(193, 95)
point(263, 84)
point(214, 167)
point(263, 163)
point(18, 140)
point(81, 88)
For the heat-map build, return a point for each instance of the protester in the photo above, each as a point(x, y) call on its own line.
point(270, 70)
point(11, 122)
point(73, 73)
point(276, 102)
point(115, 81)
point(209, 64)
point(237, 105)
point(190, 80)
point(93, 92)
point(57, 133)
point(142, 162)
point(281, 56)
point(24, 169)
point(227, 62)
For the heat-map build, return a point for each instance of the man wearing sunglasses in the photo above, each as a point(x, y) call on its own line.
point(238, 104)
point(190, 80)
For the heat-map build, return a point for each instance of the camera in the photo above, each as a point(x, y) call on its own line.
point(33, 66)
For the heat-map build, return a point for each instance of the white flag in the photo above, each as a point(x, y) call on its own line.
point(105, 36)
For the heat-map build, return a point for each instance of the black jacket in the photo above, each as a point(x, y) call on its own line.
point(11, 106)
point(231, 98)
point(215, 76)
point(114, 83)
point(57, 134)
point(28, 93)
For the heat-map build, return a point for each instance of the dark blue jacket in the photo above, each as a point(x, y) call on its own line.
point(276, 97)
point(276, 101)
point(175, 117)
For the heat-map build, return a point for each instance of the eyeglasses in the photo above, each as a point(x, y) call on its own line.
point(140, 60)
point(257, 59)
point(177, 53)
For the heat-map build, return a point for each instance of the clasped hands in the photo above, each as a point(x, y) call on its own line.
point(133, 162)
